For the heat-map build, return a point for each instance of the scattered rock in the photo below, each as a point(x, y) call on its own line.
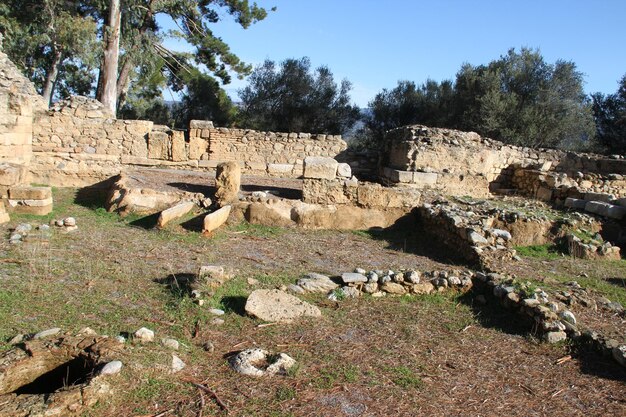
point(111, 368)
point(208, 347)
point(258, 362)
point(317, 283)
point(278, 306)
point(144, 335)
point(170, 343)
point(177, 364)
point(217, 321)
point(47, 333)
point(555, 337)
point(412, 276)
point(568, 316)
point(227, 183)
point(216, 311)
point(69, 222)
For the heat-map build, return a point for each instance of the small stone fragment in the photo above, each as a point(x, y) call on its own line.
point(555, 337)
point(216, 312)
point(352, 277)
point(69, 222)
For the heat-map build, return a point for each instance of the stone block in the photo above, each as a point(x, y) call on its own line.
point(280, 168)
point(174, 212)
point(398, 176)
point(616, 212)
point(319, 167)
point(30, 203)
point(4, 215)
point(344, 170)
point(598, 197)
point(597, 207)
point(201, 124)
point(544, 194)
point(158, 145)
point(36, 210)
point(30, 193)
point(425, 178)
point(227, 183)
point(179, 151)
point(208, 164)
point(11, 174)
point(197, 147)
point(575, 203)
point(214, 220)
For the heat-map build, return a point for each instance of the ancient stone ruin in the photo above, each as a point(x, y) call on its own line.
point(477, 197)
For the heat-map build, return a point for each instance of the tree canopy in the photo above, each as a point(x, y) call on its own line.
point(83, 34)
point(610, 116)
point(291, 97)
point(518, 99)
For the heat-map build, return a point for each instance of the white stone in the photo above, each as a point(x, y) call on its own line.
point(111, 368)
point(344, 170)
point(216, 312)
point(214, 220)
point(69, 221)
point(144, 335)
point(47, 333)
point(177, 364)
point(170, 343)
point(351, 277)
point(319, 167)
point(279, 306)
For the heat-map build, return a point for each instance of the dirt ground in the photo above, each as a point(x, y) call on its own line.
point(439, 355)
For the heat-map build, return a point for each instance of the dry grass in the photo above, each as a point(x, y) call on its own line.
point(430, 355)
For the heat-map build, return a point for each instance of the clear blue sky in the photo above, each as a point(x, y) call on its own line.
point(376, 43)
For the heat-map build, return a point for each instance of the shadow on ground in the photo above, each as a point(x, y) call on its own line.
point(494, 316)
point(594, 363)
point(234, 304)
point(178, 285)
point(407, 235)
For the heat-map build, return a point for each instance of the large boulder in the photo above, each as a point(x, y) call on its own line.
point(278, 306)
point(227, 183)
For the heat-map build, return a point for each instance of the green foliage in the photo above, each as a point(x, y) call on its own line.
point(405, 377)
point(290, 97)
point(610, 116)
point(518, 99)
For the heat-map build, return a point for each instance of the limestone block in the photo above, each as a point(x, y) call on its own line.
point(320, 167)
point(227, 183)
point(11, 174)
point(197, 147)
point(256, 166)
point(544, 194)
point(598, 197)
point(616, 212)
point(575, 203)
point(597, 207)
point(201, 124)
point(36, 210)
point(214, 220)
point(4, 216)
point(278, 306)
point(398, 176)
point(174, 212)
point(425, 178)
point(344, 170)
point(280, 168)
point(208, 163)
point(30, 193)
point(179, 151)
point(158, 145)
point(30, 203)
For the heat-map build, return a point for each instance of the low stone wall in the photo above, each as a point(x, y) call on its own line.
point(273, 153)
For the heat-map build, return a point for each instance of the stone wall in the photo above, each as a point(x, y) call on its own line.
point(273, 153)
point(19, 101)
point(464, 163)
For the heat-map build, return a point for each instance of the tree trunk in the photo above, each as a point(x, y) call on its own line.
point(51, 77)
point(111, 58)
point(122, 83)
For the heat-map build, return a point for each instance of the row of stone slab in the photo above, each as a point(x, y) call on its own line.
point(600, 208)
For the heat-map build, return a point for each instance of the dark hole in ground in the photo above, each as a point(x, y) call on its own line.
point(74, 372)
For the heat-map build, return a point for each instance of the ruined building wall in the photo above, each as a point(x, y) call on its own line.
point(464, 163)
point(19, 101)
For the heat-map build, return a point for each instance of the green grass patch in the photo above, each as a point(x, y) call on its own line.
point(257, 230)
point(405, 377)
point(548, 251)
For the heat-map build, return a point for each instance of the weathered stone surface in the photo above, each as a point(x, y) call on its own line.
point(423, 288)
point(344, 170)
point(258, 362)
point(393, 288)
point(353, 277)
point(212, 276)
point(144, 335)
point(174, 212)
point(214, 220)
point(179, 152)
point(227, 183)
point(555, 337)
point(177, 364)
point(111, 368)
point(317, 283)
point(30, 193)
point(4, 216)
point(278, 306)
point(47, 333)
point(319, 167)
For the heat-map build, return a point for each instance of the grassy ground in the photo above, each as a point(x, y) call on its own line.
point(430, 355)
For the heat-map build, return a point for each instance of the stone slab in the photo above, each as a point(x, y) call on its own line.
point(320, 167)
point(30, 193)
point(214, 220)
point(279, 306)
point(174, 212)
